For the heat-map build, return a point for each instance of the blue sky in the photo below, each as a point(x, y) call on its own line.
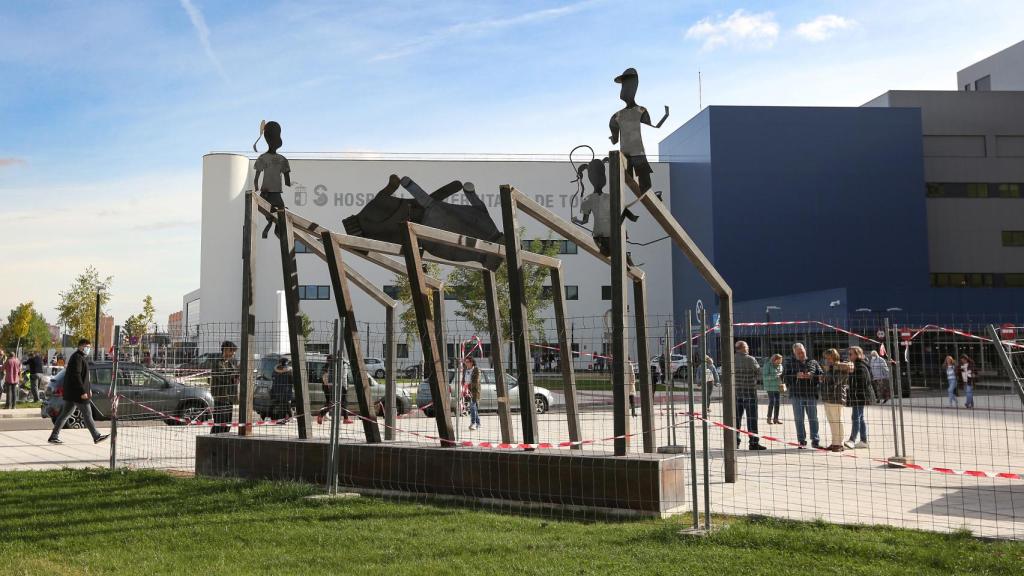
point(108, 107)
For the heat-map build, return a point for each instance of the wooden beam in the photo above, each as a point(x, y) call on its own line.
point(620, 416)
point(497, 362)
point(518, 314)
point(428, 340)
point(395, 267)
point(675, 230)
point(567, 229)
point(390, 382)
point(644, 381)
point(364, 284)
point(357, 365)
point(565, 357)
point(480, 246)
point(289, 269)
point(439, 330)
point(248, 325)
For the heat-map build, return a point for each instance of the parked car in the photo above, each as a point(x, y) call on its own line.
point(679, 363)
point(201, 362)
point(542, 397)
point(375, 366)
point(315, 363)
point(138, 385)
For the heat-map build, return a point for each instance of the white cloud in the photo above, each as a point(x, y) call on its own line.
point(741, 29)
point(822, 27)
point(203, 32)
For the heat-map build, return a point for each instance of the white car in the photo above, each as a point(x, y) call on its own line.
point(375, 366)
point(679, 363)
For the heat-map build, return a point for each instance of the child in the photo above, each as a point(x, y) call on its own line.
point(273, 166)
point(626, 123)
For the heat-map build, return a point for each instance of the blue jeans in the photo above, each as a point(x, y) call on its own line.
point(747, 404)
point(859, 425)
point(84, 409)
point(810, 406)
point(774, 401)
point(969, 401)
point(952, 392)
point(474, 413)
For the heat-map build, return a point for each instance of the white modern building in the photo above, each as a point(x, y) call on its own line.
point(1000, 71)
point(328, 190)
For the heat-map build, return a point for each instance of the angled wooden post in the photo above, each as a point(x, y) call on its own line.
point(428, 339)
point(357, 365)
point(620, 416)
point(565, 359)
point(646, 391)
point(248, 323)
point(390, 383)
point(439, 329)
point(497, 363)
point(300, 380)
point(518, 315)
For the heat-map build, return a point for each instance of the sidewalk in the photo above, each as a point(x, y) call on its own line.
point(20, 413)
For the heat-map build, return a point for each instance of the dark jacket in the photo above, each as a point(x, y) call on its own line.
point(965, 379)
point(474, 384)
point(224, 380)
point(747, 372)
point(861, 393)
point(76, 377)
point(281, 389)
point(801, 388)
point(35, 365)
point(835, 386)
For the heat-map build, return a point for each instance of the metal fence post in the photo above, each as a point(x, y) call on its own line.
point(693, 423)
point(113, 398)
point(706, 401)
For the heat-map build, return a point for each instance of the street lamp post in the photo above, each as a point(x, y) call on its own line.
point(768, 328)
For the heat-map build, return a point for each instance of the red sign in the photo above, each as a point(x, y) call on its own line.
point(905, 334)
point(1007, 332)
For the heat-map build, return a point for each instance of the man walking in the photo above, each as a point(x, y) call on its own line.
point(35, 368)
point(12, 377)
point(747, 371)
point(801, 375)
point(224, 387)
point(77, 394)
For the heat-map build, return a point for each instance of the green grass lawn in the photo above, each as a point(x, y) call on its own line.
point(98, 522)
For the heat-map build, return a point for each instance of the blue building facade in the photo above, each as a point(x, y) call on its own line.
point(818, 211)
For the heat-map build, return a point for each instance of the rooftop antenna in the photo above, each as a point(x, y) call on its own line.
point(700, 92)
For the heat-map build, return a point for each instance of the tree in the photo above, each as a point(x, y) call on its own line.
point(408, 316)
point(77, 307)
point(25, 326)
point(468, 287)
point(305, 326)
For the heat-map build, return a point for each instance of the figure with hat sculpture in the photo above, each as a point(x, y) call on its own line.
point(625, 128)
point(274, 168)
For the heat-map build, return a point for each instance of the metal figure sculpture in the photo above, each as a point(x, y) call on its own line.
point(597, 203)
point(625, 126)
point(274, 167)
point(384, 217)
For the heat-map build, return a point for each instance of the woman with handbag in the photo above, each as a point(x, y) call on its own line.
point(860, 395)
point(966, 376)
point(949, 367)
point(833, 394)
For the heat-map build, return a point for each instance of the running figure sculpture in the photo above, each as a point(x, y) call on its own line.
point(274, 167)
point(625, 126)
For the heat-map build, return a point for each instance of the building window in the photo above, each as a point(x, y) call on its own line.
point(391, 291)
point(1013, 280)
point(572, 292)
point(401, 350)
point(312, 292)
point(972, 280)
point(977, 190)
point(935, 190)
point(301, 248)
point(606, 292)
point(561, 246)
point(983, 84)
point(1013, 238)
point(1009, 190)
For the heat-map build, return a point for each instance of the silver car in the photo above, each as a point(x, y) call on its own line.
point(375, 367)
point(542, 397)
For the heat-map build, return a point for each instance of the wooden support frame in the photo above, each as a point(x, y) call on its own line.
point(390, 382)
point(248, 323)
point(565, 359)
point(620, 416)
point(442, 353)
point(518, 314)
point(671, 226)
point(343, 300)
point(289, 269)
point(497, 362)
point(644, 382)
point(428, 340)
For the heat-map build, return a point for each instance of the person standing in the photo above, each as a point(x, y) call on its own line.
point(747, 371)
point(771, 376)
point(966, 375)
point(880, 377)
point(35, 369)
point(281, 391)
point(860, 396)
point(801, 375)
point(471, 379)
point(833, 393)
point(12, 377)
point(951, 380)
point(631, 387)
point(224, 387)
point(77, 394)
